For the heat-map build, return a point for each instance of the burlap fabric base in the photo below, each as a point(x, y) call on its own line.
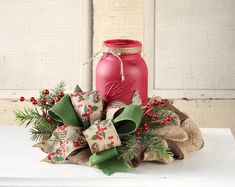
point(183, 140)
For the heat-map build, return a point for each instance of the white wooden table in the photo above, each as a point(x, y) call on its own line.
point(213, 165)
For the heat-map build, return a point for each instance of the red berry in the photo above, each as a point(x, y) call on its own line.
point(147, 107)
point(32, 99)
point(43, 115)
point(57, 99)
point(43, 100)
point(61, 94)
point(155, 102)
point(34, 102)
point(52, 101)
point(137, 133)
point(168, 118)
point(156, 115)
point(146, 129)
point(22, 99)
point(145, 124)
point(163, 122)
point(149, 114)
point(162, 101)
point(49, 118)
point(46, 91)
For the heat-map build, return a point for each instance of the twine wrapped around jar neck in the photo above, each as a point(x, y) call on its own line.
point(131, 50)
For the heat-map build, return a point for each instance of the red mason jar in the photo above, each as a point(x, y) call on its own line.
point(121, 71)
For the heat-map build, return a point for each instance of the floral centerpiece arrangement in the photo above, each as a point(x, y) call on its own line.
point(113, 136)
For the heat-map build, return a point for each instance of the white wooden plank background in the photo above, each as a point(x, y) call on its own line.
point(194, 48)
point(43, 42)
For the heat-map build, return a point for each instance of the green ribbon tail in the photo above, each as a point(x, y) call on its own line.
point(64, 111)
point(115, 165)
point(129, 120)
point(109, 162)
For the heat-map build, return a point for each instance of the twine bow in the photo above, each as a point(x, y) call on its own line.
point(86, 123)
point(108, 51)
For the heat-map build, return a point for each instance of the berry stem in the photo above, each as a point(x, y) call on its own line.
point(148, 110)
point(155, 121)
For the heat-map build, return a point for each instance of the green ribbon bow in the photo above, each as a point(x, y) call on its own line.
point(125, 123)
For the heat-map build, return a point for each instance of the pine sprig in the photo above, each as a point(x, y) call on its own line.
point(129, 148)
point(39, 133)
point(42, 123)
point(59, 88)
point(132, 144)
point(154, 144)
point(41, 127)
point(28, 116)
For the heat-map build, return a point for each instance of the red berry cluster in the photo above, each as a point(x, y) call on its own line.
point(44, 100)
point(147, 112)
point(32, 100)
point(51, 101)
point(57, 99)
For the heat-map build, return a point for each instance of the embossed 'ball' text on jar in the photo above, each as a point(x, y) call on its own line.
point(121, 71)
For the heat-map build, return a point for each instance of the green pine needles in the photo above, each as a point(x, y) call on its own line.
point(28, 116)
point(132, 145)
point(155, 145)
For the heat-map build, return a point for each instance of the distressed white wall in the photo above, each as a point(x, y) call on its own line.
point(193, 47)
point(41, 43)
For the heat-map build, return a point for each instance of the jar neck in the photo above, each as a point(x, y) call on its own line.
point(124, 51)
point(123, 46)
